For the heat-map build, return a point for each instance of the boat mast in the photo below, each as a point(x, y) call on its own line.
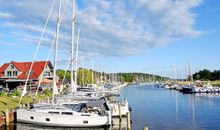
point(175, 73)
point(92, 72)
point(72, 49)
point(190, 73)
point(76, 65)
point(55, 91)
point(83, 76)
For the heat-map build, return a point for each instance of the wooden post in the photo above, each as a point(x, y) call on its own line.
point(128, 121)
point(23, 106)
point(145, 128)
point(120, 117)
point(48, 99)
point(7, 117)
point(28, 105)
point(119, 111)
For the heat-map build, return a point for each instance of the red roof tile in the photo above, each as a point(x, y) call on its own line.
point(2, 68)
point(24, 67)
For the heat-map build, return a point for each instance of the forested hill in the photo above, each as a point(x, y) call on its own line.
point(85, 75)
point(140, 77)
point(207, 75)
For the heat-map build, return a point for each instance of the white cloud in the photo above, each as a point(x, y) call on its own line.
point(116, 27)
point(5, 15)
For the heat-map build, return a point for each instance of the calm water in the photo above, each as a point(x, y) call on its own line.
point(162, 109)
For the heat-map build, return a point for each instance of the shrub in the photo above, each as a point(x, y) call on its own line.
point(3, 93)
point(15, 93)
point(47, 92)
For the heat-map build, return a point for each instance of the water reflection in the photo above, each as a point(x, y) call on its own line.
point(207, 94)
point(162, 109)
point(117, 125)
point(21, 126)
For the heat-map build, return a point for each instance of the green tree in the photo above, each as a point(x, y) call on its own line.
point(203, 75)
point(61, 75)
point(84, 76)
point(216, 75)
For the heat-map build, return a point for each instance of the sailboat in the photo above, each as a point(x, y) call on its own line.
point(88, 114)
point(75, 114)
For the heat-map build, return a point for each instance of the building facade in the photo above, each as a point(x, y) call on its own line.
point(14, 74)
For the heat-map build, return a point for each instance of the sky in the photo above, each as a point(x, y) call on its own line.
point(150, 36)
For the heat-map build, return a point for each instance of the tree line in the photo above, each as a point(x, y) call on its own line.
point(207, 75)
point(141, 77)
point(84, 76)
point(87, 76)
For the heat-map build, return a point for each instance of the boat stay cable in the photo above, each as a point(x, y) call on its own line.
point(36, 52)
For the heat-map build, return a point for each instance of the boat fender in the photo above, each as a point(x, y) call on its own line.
point(130, 109)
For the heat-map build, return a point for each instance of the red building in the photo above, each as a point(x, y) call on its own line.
point(15, 74)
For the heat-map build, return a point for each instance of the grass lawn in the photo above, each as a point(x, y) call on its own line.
point(216, 83)
point(9, 102)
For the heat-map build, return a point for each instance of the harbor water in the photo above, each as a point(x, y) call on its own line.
point(163, 109)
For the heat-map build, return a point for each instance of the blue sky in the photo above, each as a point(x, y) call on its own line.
point(121, 36)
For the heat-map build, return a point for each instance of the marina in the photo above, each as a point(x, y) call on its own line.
point(109, 65)
point(179, 111)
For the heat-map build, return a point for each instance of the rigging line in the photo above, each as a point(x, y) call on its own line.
point(67, 3)
point(90, 55)
point(63, 17)
point(48, 56)
point(61, 20)
point(49, 53)
point(35, 55)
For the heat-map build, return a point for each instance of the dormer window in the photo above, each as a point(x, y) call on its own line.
point(12, 66)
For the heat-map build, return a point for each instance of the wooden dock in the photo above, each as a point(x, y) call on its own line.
point(7, 118)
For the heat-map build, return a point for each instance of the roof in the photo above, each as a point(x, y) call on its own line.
point(24, 68)
point(2, 68)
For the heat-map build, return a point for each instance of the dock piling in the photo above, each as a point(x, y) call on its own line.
point(119, 110)
point(28, 105)
point(128, 121)
point(7, 121)
point(23, 105)
point(48, 100)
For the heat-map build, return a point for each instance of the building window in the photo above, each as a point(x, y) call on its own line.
point(12, 67)
point(46, 73)
point(15, 73)
point(9, 73)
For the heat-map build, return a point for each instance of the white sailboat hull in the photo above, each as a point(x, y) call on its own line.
point(48, 119)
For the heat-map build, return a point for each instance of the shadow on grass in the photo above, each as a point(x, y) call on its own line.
point(2, 113)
